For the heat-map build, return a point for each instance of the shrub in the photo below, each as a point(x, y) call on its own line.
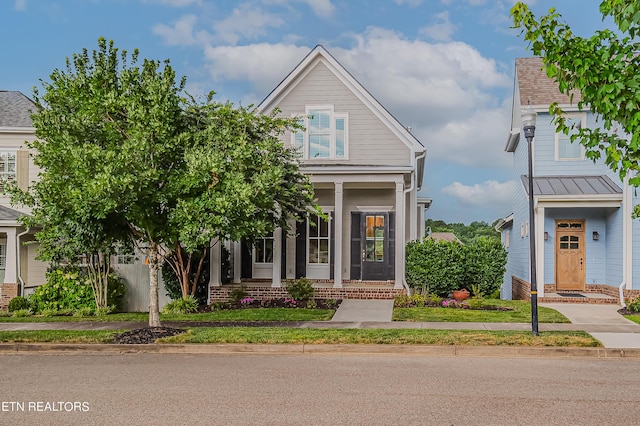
point(237, 294)
point(485, 265)
point(187, 305)
point(172, 285)
point(4, 313)
point(22, 313)
point(18, 303)
point(104, 311)
point(85, 311)
point(300, 289)
point(634, 304)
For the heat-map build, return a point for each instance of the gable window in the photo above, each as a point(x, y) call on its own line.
point(565, 150)
point(7, 167)
point(325, 135)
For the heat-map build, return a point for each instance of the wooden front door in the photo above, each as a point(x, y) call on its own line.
point(570, 255)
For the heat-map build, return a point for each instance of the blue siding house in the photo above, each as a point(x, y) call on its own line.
point(587, 244)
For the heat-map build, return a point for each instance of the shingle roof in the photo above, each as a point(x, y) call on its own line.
point(536, 87)
point(572, 185)
point(444, 236)
point(15, 109)
point(9, 214)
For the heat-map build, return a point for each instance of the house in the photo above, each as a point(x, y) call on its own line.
point(449, 237)
point(587, 244)
point(366, 169)
point(20, 271)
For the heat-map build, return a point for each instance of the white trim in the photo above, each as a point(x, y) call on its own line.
point(538, 218)
point(5, 129)
point(338, 198)
point(627, 234)
point(374, 209)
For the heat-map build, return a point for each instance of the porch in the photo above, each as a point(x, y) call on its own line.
point(600, 294)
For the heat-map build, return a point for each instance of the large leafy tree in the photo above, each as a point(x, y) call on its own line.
point(603, 68)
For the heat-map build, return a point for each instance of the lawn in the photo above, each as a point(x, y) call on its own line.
point(258, 314)
point(521, 312)
point(634, 318)
point(274, 335)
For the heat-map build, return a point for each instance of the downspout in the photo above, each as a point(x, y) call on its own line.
point(406, 191)
point(621, 293)
point(18, 260)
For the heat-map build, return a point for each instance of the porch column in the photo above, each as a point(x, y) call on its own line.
point(237, 262)
point(413, 214)
point(337, 237)
point(11, 261)
point(276, 270)
point(400, 236)
point(215, 273)
point(291, 251)
point(540, 250)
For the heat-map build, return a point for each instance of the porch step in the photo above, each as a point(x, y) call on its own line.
point(579, 297)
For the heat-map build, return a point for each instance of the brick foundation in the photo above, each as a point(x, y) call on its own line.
point(521, 291)
point(263, 291)
point(7, 291)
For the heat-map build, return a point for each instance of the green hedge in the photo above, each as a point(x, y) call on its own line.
point(443, 266)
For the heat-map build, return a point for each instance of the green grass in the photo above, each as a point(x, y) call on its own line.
point(634, 318)
point(521, 313)
point(274, 335)
point(258, 314)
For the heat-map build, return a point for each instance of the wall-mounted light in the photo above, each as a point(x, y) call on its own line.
point(596, 235)
point(546, 235)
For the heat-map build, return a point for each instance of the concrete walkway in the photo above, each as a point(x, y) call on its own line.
point(351, 310)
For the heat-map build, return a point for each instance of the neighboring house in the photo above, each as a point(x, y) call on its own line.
point(366, 169)
point(443, 236)
point(20, 272)
point(586, 240)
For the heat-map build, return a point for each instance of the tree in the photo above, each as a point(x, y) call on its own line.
point(603, 69)
point(239, 182)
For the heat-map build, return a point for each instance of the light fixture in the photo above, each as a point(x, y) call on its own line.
point(595, 235)
point(546, 235)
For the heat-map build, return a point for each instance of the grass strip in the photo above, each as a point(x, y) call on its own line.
point(274, 335)
point(634, 318)
point(521, 312)
point(257, 314)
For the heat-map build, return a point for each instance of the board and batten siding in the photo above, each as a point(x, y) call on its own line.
point(370, 142)
point(26, 170)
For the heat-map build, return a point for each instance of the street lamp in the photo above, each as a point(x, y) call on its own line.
point(529, 128)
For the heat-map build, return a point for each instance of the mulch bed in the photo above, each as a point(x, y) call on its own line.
point(625, 311)
point(146, 335)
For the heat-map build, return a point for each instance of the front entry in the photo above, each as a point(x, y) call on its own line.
point(372, 246)
point(570, 255)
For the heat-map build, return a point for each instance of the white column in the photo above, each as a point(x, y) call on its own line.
point(413, 214)
point(11, 261)
point(540, 250)
point(627, 234)
point(277, 258)
point(337, 237)
point(237, 262)
point(400, 236)
point(290, 263)
point(215, 273)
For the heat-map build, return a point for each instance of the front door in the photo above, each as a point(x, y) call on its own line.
point(375, 246)
point(570, 255)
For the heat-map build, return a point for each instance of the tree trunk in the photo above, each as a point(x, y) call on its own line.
point(154, 266)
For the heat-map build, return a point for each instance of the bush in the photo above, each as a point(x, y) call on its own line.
point(68, 289)
point(172, 285)
point(188, 305)
point(634, 304)
point(300, 289)
point(18, 303)
point(237, 294)
point(22, 313)
point(443, 266)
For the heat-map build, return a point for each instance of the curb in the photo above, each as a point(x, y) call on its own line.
point(288, 349)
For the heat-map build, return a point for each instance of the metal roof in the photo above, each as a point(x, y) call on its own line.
point(15, 109)
point(572, 185)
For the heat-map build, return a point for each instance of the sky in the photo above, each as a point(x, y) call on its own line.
point(443, 67)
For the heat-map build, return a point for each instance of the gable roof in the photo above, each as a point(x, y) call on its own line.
point(536, 87)
point(15, 109)
point(320, 54)
point(572, 185)
point(444, 236)
point(9, 214)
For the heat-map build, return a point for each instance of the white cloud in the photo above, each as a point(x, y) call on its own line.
point(498, 195)
point(321, 8)
point(246, 21)
point(175, 3)
point(441, 29)
point(20, 5)
point(182, 32)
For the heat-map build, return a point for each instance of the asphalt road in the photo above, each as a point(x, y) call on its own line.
point(322, 389)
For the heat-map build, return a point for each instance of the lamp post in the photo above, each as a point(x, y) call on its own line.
point(529, 128)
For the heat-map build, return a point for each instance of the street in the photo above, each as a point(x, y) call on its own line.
point(322, 389)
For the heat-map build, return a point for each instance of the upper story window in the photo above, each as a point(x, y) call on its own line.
point(325, 135)
point(7, 167)
point(565, 150)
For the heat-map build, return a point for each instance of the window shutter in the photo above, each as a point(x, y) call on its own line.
point(22, 169)
point(246, 267)
point(356, 265)
point(301, 249)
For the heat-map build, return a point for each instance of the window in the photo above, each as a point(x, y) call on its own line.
point(374, 251)
point(318, 233)
point(565, 150)
point(264, 250)
point(507, 237)
point(325, 136)
point(125, 259)
point(7, 167)
point(3, 256)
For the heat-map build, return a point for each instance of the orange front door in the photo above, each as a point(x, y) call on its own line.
point(570, 255)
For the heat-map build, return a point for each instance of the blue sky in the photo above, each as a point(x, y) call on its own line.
point(443, 67)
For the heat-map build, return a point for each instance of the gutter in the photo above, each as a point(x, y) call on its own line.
point(18, 259)
point(621, 294)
